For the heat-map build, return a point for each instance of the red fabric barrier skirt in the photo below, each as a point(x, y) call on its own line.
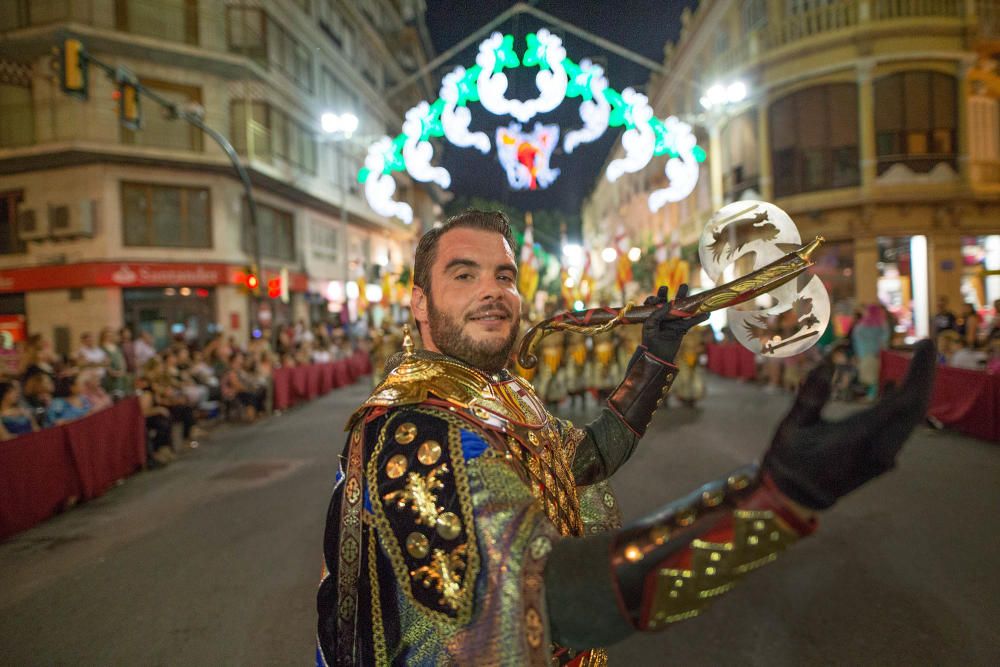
point(326, 378)
point(282, 380)
point(40, 471)
point(107, 446)
point(300, 383)
point(966, 400)
point(313, 372)
point(36, 478)
point(731, 360)
point(341, 373)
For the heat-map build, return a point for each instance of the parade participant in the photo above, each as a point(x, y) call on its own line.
point(690, 384)
point(456, 535)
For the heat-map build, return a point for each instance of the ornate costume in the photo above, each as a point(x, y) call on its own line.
point(456, 486)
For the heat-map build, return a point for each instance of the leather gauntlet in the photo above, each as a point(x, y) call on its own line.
point(669, 566)
point(646, 384)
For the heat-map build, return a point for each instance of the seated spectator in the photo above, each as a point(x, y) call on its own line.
point(93, 391)
point(37, 390)
point(91, 355)
point(167, 395)
point(239, 386)
point(844, 374)
point(73, 406)
point(967, 325)
point(947, 342)
point(993, 362)
point(159, 426)
point(37, 353)
point(15, 418)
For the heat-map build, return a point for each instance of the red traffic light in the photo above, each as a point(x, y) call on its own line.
point(252, 282)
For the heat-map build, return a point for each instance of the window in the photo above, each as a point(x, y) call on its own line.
point(276, 229)
point(245, 33)
point(754, 13)
point(740, 156)
point(160, 131)
point(814, 139)
point(166, 216)
point(175, 20)
point(274, 135)
point(16, 109)
point(10, 242)
point(915, 120)
point(23, 13)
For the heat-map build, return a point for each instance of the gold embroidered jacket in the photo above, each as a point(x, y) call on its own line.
point(454, 485)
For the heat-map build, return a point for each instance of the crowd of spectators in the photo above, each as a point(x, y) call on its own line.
point(180, 386)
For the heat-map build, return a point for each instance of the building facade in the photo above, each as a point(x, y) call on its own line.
point(101, 225)
point(873, 123)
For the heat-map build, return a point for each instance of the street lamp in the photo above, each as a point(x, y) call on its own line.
point(343, 124)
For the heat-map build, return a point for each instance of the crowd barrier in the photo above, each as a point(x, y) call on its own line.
point(304, 383)
point(965, 400)
point(41, 472)
point(731, 360)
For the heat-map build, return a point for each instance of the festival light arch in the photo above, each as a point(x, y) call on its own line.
point(525, 156)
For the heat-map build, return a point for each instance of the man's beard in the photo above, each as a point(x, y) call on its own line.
point(448, 337)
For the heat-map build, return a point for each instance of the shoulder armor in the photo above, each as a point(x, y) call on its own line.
point(422, 510)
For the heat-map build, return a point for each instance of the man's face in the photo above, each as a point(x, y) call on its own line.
point(473, 309)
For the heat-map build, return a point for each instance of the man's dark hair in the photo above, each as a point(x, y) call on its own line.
point(491, 221)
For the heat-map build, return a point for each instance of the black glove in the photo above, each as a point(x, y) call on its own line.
point(814, 462)
point(662, 336)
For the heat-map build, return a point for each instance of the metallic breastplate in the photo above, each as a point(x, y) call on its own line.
point(505, 406)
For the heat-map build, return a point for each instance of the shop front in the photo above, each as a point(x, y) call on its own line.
point(179, 313)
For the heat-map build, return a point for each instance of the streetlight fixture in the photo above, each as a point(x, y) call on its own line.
point(343, 124)
point(719, 95)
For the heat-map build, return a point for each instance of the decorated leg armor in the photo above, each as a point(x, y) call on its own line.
point(668, 566)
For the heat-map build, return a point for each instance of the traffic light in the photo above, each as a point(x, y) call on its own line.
point(73, 68)
point(250, 280)
point(274, 288)
point(128, 104)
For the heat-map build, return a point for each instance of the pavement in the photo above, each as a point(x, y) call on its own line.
point(214, 560)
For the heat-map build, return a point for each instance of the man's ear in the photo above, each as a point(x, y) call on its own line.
point(418, 304)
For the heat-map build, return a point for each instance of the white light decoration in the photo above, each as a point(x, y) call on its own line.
point(373, 293)
point(609, 255)
point(557, 79)
point(634, 254)
point(351, 290)
point(762, 229)
point(525, 157)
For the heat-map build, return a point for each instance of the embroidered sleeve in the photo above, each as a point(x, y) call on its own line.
point(420, 500)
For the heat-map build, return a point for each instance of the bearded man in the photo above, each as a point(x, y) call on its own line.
point(469, 526)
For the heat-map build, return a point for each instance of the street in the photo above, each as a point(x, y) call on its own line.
point(215, 559)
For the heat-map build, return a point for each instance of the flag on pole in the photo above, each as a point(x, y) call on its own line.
point(527, 272)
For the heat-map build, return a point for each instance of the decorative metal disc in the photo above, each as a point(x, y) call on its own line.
point(743, 237)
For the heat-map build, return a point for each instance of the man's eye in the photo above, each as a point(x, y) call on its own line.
point(463, 276)
point(507, 278)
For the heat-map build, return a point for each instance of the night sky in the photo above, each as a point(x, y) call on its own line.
point(643, 26)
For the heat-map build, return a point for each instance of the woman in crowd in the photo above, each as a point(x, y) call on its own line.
point(159, 426)
point(93, 391)
point(15, 419)
point(75, 405)
point(117, 381)
point(967, 325)
point(869, 337)
point(169, 396)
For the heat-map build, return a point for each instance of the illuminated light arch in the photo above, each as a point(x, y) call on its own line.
point(558, 78)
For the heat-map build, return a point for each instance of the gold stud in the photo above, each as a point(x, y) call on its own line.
point(429, 452)
point(659, 534)
point(738, 482)
point(481, 413)
point(449, 526)
point(710, 571)
point(752, 540)
point(406, 433)
point(396, 466)
point(417, 545)
point(669, 377)
point(758, 525)
point(711, 498)
point(532, 438)
point(716, 556)
point(633, 553)
point(685, 518)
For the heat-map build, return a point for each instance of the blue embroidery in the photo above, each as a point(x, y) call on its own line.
point(368, 501)
point(472, 445)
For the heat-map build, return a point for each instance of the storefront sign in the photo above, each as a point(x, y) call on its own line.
point(12, 332)
point(128, 274)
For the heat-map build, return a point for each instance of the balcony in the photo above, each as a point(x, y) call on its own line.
point(845, 16)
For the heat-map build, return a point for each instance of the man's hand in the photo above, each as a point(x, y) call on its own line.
point(662, 336)
point(814, 462)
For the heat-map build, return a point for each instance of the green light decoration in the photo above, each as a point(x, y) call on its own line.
point(558, 77)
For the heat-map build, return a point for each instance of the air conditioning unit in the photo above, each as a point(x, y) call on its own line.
point(66, 221)
point(31, 226)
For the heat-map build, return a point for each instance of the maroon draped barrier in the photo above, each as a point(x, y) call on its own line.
point(731, 360)
point(313, 380)
point(281, 378)
point(36, 479)
point(965, 400)
point(40, 471)
point(341, 373)
point(107, 446)
point(326, 378)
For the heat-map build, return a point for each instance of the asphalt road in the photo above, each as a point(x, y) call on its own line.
point(215, 560)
